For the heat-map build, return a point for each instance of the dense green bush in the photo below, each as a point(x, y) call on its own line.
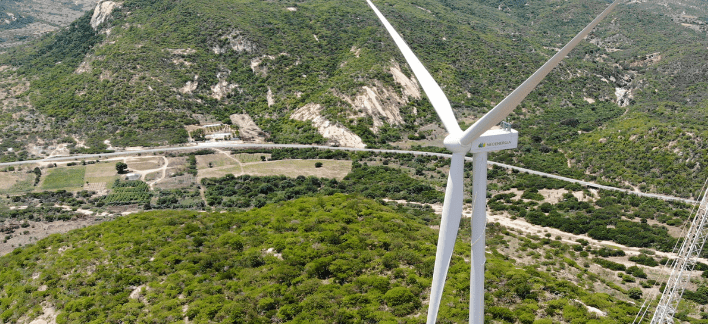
point(372, 182)
point(644, 259)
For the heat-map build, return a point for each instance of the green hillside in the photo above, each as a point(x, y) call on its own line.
point(153, 67)
point(337, 259)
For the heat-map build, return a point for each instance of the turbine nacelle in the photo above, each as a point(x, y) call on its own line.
point(492, 140)
point(496, 140)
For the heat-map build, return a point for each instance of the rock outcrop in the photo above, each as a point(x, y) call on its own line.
point(247, 129)
point(337, 133)
point(237, 42)
point(190, 86)
point(102, 12)
point(223, 88)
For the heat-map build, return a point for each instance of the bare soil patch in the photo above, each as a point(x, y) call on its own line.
point(39, 230)
point(552, 196)
point(144, 163)
point(247, 128)
point(178, 182)
point(99, 187)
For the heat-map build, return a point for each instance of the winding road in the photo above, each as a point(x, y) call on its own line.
point(302, 146)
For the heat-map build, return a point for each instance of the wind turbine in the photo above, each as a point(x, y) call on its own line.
point(473, 139)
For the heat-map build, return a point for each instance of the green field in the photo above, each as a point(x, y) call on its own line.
point(71, 178)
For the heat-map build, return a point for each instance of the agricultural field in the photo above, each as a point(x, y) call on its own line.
point(16, 182)
point(213, 161)
point(176, 182)
point(144, 163)
point(176, 165)
point(69, 178)
point(102, 172)
point(128, 192)
point(251, 157)
point(333, 169)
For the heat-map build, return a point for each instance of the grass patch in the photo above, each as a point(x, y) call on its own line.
point(64, 178)
point(248, 158)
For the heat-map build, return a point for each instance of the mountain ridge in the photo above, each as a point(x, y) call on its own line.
point(150, 70)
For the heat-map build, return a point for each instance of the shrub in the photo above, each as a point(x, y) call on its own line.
point(403, 301)
point(645, 260)
point(399, 296)
point(502, 313)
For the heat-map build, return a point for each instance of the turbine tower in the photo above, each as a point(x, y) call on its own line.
point(478, 139)
point(682, 266)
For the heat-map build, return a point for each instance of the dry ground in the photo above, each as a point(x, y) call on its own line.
point(102, 172)
point(11, 182)
point(39, 230)
point(145, 163)
point(336, 169)
point(216, 160)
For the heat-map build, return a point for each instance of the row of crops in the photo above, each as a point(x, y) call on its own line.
point(128, 192)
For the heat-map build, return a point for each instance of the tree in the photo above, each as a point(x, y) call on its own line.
point(121, 167)
point(38, 175)
point(318, 164)
point(634, 293)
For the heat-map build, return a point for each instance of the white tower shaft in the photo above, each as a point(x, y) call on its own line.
point(478, 224)
point(682, 266)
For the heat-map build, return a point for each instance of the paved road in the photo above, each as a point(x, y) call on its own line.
point(236, 145)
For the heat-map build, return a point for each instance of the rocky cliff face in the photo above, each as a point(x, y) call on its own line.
point(103, 11)
point(337, 134)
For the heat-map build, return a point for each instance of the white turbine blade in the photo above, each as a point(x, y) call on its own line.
point(449, 223)
point(432, 89)
point(507, 105)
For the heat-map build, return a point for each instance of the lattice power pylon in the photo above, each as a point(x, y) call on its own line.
point(684, 263)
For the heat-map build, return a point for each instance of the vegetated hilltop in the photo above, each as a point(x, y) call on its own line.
point(22, 21)
point(554, 260)
point(332, 259)
point(625, 108)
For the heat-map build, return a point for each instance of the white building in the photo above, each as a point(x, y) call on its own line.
point(219, 136)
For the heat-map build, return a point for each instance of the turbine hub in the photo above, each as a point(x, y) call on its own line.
point(452, 143)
